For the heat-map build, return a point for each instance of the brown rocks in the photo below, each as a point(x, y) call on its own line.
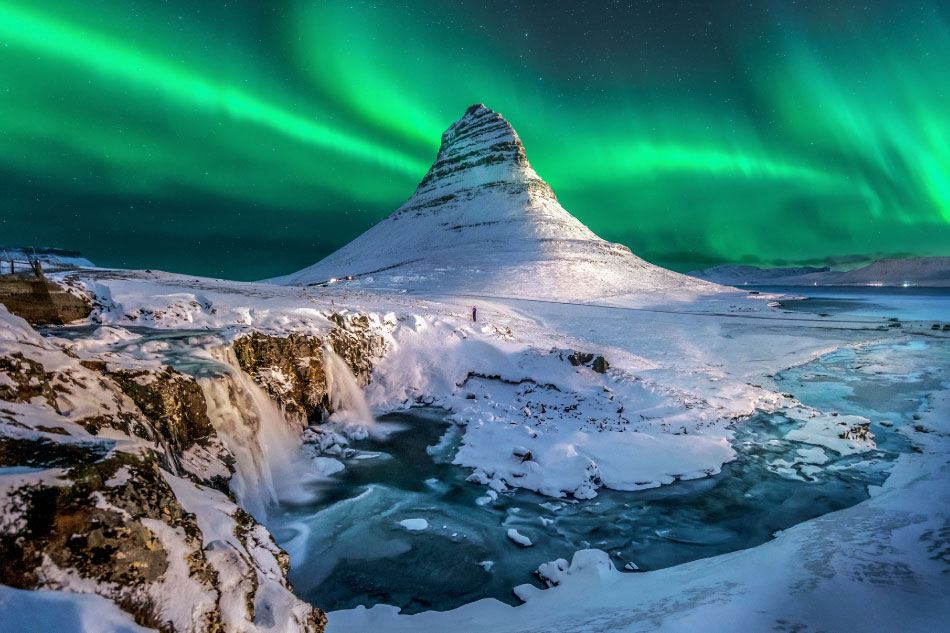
point(41, 302)
point(92, 526)
point(172, 402)
point(598, 363)
point(29, 380)
point(292, 369)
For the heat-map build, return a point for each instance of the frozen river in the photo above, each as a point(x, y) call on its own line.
point(352, 546)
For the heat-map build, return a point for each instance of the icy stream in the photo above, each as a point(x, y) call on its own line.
point(357, 543)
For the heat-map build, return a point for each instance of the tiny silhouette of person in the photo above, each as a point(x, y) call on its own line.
point(473, 313)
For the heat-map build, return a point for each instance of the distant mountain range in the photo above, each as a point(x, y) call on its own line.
point(913, 271)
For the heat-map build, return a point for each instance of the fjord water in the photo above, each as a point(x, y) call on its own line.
point(912, 303)
point(350, 548)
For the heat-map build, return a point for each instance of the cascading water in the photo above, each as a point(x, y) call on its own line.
point(346, 397)
point(268, 460)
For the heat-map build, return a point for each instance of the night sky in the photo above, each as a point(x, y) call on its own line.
point(247, 139)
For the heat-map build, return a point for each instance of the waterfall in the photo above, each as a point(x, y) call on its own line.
point(346, 397)
point(268, 461)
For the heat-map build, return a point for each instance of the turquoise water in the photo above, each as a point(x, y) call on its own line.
point(348, 547)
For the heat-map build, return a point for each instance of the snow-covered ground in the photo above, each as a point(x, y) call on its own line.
point(681, 374)
point(587, 369)
point(677, 376)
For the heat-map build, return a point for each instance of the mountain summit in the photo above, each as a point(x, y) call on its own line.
point(483, 221)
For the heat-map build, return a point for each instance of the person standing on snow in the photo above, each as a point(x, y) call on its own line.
point(473, 314)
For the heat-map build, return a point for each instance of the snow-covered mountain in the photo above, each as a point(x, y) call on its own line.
point(914, 271)
point(483, 221)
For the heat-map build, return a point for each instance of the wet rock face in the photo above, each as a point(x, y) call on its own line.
point(354, 341)
point(172, 402)
point(292, 368)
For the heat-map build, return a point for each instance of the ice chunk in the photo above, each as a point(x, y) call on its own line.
point(519, 538)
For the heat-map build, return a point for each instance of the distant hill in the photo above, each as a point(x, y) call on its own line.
point(913, 271)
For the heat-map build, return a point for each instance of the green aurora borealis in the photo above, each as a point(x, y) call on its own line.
point(250, 139)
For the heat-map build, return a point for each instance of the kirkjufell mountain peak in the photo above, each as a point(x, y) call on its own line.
point(482, 220)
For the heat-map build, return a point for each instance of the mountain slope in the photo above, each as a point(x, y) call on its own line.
point(483, 221)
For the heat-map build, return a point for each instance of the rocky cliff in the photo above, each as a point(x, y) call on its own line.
point(292, 368)
point(115, 482)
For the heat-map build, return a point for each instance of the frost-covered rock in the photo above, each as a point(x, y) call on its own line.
point(88, 504)
point(172, 401)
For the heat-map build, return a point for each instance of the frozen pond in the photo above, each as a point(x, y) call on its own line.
point(400, 525)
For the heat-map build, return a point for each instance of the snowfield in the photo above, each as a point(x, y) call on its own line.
point(662, 411)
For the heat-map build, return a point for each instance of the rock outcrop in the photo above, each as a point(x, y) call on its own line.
point(597, 363)
point(40, 301)
point(172, 402)
point(291, 368)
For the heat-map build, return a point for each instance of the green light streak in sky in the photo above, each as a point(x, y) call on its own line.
point(125, 63)
point(786, 135)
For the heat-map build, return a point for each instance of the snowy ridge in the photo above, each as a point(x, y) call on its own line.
point(482, 219)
